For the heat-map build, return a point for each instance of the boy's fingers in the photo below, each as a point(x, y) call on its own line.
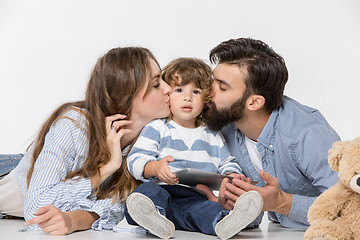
point(169, 158)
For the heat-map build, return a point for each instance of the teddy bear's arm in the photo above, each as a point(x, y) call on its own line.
point(328, 205)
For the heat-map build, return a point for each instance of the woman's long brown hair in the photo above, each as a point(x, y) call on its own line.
point(116, 78)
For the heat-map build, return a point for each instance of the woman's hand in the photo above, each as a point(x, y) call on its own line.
point(115, 130)
point(51, 220)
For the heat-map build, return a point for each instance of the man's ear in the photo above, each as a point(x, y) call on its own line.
point(255, 102)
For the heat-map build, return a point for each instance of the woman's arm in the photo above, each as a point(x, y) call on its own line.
point(55, 222)
point(65, 149)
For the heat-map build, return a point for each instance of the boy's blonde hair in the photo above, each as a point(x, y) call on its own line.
point(183, 71)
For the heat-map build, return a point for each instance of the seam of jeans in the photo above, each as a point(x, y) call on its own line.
point(11, 160)
point(12, 156)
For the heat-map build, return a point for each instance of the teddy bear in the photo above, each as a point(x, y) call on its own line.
point(335, 214)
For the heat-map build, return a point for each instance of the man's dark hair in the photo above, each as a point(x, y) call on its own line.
point(267, 72)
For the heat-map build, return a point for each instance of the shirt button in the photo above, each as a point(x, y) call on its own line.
point(270, 146)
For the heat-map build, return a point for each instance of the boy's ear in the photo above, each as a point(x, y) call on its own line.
point(255, 102)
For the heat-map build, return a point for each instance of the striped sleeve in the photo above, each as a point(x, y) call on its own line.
point(144, 150)
point(65, 150)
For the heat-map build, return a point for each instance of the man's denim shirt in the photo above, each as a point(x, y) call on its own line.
point(294, 147)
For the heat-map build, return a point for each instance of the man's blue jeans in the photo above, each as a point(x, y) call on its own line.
point(8, 162)
point(186, 208)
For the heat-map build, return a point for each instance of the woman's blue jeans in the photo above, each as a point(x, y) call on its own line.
point(186, 208)
point(8, 162)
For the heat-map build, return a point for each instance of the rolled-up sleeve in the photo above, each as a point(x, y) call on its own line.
point(144, 150)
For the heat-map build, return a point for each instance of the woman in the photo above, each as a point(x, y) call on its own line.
point(73, 177)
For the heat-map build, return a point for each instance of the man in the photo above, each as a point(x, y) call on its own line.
point(277, 141)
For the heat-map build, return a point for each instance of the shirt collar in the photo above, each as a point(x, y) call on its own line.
point(267, 135)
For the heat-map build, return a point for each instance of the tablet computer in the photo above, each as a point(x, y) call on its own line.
point(193, 177)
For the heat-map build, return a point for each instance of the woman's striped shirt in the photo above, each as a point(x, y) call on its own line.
point(65, 150)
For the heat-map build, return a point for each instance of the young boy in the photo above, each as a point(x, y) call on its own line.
point(183, 141)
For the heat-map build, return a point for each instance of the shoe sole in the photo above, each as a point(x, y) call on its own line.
point(246, 209)
point(143, 212)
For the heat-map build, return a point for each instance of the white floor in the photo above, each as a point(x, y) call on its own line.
point(268, 230)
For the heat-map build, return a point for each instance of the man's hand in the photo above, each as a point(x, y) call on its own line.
point(274, 199)
point(227, 203)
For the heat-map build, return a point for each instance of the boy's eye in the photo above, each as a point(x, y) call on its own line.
point(178, 90)
point(196, 92)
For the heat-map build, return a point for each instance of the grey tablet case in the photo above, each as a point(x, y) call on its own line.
point(192, 177)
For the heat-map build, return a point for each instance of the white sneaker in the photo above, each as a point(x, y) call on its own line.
point(143, 212)
point(246, 209)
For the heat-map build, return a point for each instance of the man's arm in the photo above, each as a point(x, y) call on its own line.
point(313, 155)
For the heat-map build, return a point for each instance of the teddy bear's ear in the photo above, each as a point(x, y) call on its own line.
point(335, 154)
point(356, 141)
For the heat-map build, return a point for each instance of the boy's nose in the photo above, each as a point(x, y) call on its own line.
point(187, 99)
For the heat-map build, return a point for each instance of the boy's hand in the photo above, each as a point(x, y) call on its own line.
point(163, 172)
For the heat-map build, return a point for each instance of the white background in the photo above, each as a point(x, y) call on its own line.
point(48, 49)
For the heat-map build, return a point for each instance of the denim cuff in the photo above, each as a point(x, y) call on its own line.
point(8, 162)
point(220, 216)
point(161, 210)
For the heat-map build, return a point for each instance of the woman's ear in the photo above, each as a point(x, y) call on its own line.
point(255, 102)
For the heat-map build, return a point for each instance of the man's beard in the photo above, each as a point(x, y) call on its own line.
point(216, 119)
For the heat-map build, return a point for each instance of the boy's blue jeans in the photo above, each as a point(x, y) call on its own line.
point(8, 162)
point(186, 208)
